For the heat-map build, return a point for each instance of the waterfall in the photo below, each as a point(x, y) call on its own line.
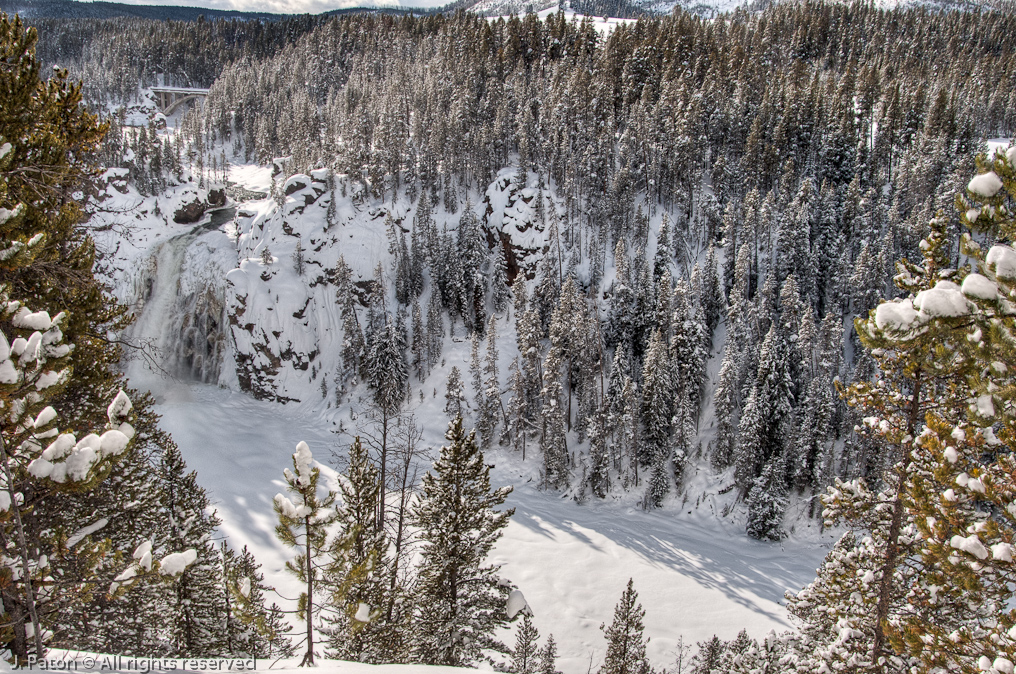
point(181, 321)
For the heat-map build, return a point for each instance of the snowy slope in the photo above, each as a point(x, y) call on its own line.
point(696, 574)
point(696, 571)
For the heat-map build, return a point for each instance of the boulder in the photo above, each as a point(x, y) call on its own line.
point(217, 198)
point(189, 213)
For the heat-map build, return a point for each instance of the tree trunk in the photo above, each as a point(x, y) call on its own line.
point(308, 658)
point(893, 544)
point(26, 570)
point(383, 471)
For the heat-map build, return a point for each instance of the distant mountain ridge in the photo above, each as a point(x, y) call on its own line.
point(73, 9)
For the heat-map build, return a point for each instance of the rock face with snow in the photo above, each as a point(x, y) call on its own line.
point(512, 218)
point(283, 317)
point(189, 213)
point(281, 320)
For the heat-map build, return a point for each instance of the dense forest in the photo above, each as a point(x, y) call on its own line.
point(733, 191)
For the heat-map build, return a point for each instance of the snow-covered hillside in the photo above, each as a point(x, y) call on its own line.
point(224, 303)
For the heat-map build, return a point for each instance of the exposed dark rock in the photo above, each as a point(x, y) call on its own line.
point(217, 198)
point(191, 212)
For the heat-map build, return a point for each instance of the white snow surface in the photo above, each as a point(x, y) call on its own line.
point(1002, 260)
point(696, 575)
point(985, 185)
point(176, 563)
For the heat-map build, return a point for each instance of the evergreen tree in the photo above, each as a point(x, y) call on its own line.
point(711, 293)
point(528, 340)
point(47, 149)
point(460, 601)
point(388, 376)
point(766, 416)
point(421, 343)
point(918, 586)
point(387, 373)
point(249, 630)
point(198, 605)
point(454, 393)
point(356, 574)
point(553, 440)
point(500, 293)
point(490, 407)
point(599, 455)
point(725, 405)
point(767, 501)
point(657, 396)
point(353, 347)
point(548, 657)
point(524, 655)
point(626, 644)
point(304, 519)
point(709, 657)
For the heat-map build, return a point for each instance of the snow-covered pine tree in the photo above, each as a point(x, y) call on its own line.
point(304, 518)
point(472, 254)
point(490, 406)
point(353, 347)
point(709, 657)
point(387, 373)
point(234, 631)
point(915, 586)
point(547, 291)
point(662, 259)
point(459, 598)
point(356, 574)
point(516, 425)
point(767, 502)
point(626, 642)
point(553, 440)
point(500, 293)
point(767, 411)
point(476, 373)
point(250, 628)
point(548, 657)
point(689, 350)
point(388, 376)
point(435, 328)
point(454, 393)
point(421, 342)
point(527, 325)
point(664, 313)
point(657, 410)
point(599, 454)
point(725, 406)
point(40, 369)
point(628, 435)
point(525, 654)
point(198, 606)
point(712, 298)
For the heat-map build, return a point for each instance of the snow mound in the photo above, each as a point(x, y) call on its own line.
point(1002, 260)
point(979, 287)
point(945, 300)
point(985, 185)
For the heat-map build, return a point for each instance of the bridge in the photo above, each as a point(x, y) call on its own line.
point(171, 98)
